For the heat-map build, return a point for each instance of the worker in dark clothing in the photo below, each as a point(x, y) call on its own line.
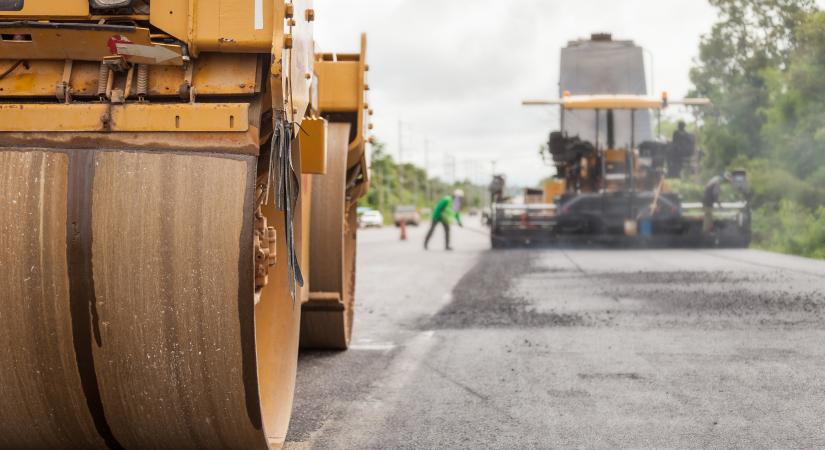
point(684, 145)
point(497, 189)
point(711, 198)
point(445, 211)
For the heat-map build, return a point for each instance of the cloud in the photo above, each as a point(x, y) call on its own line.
point(454, 72)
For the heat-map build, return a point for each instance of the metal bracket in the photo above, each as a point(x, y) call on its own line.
point(186, 91)
point(265, 250)
point(63, 91)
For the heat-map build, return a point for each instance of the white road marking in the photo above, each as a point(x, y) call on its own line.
point(376, 347)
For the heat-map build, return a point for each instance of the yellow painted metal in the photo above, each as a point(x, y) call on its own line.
point(51, 9)
point(612, 102)
point(172, 17)
point(222, 73)
point(342, 87)
point(38, 79)
point(175, 117)
point(553, 188)
point(81, 44)
point(313, 137)
point(219, 25)
point(124, 118)
point(338, 86)
point(342, 81)
point(601, 102)
point(25, 117)
point(615, 155)
point(214, 74)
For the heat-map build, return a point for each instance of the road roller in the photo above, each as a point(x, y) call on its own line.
point(327, 316)
point(156, 219)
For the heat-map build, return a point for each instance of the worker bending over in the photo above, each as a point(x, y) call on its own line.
point(711, 198)
point(445, 211)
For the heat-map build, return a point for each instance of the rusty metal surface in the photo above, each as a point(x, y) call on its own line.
point(328, 211)
point(326, 318)
point(197, 142)
point(138, 328)
point(42, 398)
point(166, 255)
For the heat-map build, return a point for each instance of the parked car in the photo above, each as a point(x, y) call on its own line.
point(371, 218)
point(406, 213)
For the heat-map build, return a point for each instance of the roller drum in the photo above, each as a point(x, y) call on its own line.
point(130, 319)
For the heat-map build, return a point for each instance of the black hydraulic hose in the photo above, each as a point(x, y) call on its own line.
point(10, 69)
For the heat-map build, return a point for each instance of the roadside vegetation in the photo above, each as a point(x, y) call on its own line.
point(763, 66)
point(393, 184)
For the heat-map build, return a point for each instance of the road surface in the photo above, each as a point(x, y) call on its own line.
point(570, 348)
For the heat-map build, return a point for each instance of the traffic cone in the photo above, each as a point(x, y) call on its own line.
point(403, 227)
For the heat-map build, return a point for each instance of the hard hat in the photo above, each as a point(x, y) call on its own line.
point(458, 193)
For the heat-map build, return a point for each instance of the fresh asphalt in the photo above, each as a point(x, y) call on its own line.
point(560, 348)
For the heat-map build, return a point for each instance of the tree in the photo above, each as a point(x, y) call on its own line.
point(751, 37)
point(795, 118)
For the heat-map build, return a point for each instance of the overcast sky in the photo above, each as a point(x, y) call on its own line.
point(454, 72)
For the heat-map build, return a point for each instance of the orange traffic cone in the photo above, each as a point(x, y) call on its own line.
point(403, 226)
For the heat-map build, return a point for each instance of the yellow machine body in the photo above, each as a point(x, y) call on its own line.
point(553, 188)
point(342, 97)
point(149, 298)
point(314, 144)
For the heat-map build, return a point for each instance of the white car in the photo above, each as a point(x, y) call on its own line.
point(371, 218)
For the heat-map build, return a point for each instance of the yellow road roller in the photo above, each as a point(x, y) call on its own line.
point(326, 320)
point(156, 224)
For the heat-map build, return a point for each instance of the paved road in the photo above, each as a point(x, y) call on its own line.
point(571, 348)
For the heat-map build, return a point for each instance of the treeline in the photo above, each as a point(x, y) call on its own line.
point(763, 66)
point(393, 184)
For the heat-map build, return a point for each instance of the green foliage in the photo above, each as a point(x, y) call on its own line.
point(688, 190)
point(692, 192)
point(790, 228)
point(750, 37)
point(763, 66)
point(795, 117)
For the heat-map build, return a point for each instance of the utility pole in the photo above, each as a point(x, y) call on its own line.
point(401, 160)
point(449, 167)
point(380, 189)
point(427, 193)
point(400, 141)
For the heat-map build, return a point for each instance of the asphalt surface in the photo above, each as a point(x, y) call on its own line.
point(584, 348)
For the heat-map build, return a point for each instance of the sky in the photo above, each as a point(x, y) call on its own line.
point(450, 75)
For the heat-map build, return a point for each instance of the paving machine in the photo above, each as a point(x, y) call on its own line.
point(609, 191)
point(610, 181)
point(163, 181)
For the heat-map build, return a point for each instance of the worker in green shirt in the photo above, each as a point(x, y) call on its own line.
point(445, 211)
